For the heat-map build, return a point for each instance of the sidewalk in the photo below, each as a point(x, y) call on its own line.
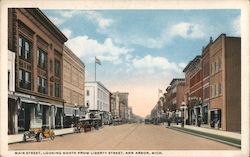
point(19, 137)
point(212, 131)
point(226, 137)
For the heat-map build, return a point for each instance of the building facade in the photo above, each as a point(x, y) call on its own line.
point(38, 45)
point(121, 105)
point(12, 108)
point(194, 92)
point(225, 83)
point(97, 96)
point(174, 98)
point(73, 85)
point(216, 96)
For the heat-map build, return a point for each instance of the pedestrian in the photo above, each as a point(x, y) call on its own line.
point(199, 121)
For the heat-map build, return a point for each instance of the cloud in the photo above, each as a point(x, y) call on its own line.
point(98, 18)
point(86, 48)
point(155, 63)
point(187, 30)
point(56, 20)
point(67, 32)
point(236, 26)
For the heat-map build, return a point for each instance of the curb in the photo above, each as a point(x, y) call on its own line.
point(58, 135)
point(207, 137)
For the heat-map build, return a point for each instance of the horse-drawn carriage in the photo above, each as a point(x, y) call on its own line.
point(38, 131)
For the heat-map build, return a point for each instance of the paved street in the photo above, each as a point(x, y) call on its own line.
point(125, 137)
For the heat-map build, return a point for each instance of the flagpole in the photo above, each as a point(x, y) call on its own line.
point(95, 68)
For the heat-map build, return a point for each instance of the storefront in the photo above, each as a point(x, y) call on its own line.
point(12, 115)
point(26, 113)
point(58, 116)
point(215, 118)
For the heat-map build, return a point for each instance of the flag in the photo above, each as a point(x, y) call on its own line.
point(97, 61)
point(159, 91)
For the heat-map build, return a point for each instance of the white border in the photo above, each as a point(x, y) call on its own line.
point(134, 4)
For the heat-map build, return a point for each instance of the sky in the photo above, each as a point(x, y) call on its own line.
point(141, 51)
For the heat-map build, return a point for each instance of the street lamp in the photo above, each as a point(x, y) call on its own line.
point(183, 107)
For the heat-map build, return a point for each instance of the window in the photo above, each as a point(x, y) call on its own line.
point(87, 93)
point(87, 104)
point(42, 85)
point(57, 68)
point(212, 68)
point(220, 88)
point(41, 58)
point(24, 79)
point(8, 80)
point(219, 63)
point(24, 48)
point(212, 91)
point(217, 89)
point(57, 90)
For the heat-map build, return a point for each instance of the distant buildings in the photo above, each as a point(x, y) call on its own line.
point(97, 96)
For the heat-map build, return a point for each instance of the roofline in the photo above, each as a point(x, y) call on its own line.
point(55, 29)
point(74, 55)
point(177, 79)
point(99, 84)
point(191, 62)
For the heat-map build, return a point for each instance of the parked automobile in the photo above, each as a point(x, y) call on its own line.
point(38, 131)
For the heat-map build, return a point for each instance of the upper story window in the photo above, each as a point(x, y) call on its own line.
point(41, 85)
point(24, 48)
point(41, 58)
point(87, 93)
point(57, 68)
point(24, 79)
point(57, 90)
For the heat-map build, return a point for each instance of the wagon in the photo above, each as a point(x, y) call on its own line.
point(38, 131)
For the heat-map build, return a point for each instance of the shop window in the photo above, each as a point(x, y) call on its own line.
point(24, 79)
point(24, 48)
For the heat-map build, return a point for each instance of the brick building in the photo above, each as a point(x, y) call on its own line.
point(225, 83)
point(215, 94)
point(174, 97)
point(38, 45)
point(193, 91)
point(73, 85)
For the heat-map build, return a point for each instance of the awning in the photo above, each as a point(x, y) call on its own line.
point(59, 106)
point(27, 100)
point(44, 103)
point(68, 111)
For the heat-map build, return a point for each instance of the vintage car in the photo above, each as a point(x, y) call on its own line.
point(38, 131)
point(91, 120)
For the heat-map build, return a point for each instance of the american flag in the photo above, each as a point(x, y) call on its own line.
point(97, 61)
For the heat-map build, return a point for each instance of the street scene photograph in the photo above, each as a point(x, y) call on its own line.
point(124, 79)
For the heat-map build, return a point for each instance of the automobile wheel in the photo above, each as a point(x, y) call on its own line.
point(39, 137)
point(52, 137)
point(24, 138)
